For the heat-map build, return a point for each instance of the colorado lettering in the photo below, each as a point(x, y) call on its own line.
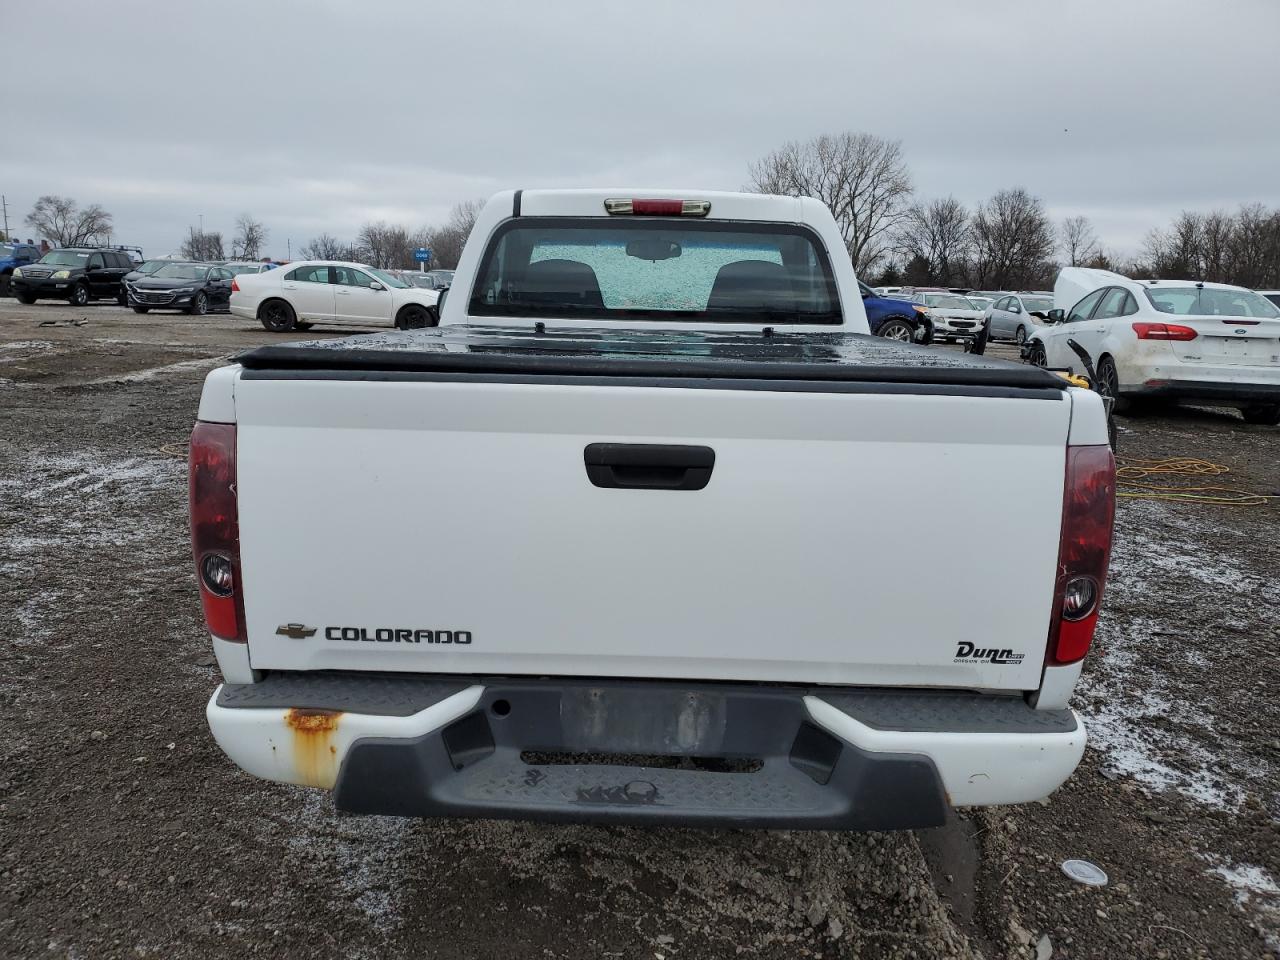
point(397, 635)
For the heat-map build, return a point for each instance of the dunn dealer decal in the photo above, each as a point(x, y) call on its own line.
point(967, 653)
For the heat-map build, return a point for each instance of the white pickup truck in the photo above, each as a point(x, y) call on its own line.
point(647, 531)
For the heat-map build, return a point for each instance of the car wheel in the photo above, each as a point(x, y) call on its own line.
point(122, 297)
point(1267, 414)
point(26, 298)
point(79, 295)
point(899, 330)
point(4, 285)
point(1037, 356)
point(138, 309)
point(277, 316)
point(413, 317)
point(1109, 385)
point(199, 306)
point(1020, 335)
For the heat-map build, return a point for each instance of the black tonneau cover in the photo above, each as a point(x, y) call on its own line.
point(673, 357)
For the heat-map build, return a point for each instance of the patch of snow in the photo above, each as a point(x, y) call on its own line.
point(153, 372)
point(367, 853)
point(1157, 725)
point(1254, 892)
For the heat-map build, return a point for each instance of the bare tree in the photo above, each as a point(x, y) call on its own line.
point(447, 242)
point(326, 247)
point(251, 235)
point(1175, 253)
point(1077, 241)
point(202, 245)
point(862, 178)
point(1012, 242)
point(934, 239)
point(1253, 251)
point(61, 221)
point(385, 245)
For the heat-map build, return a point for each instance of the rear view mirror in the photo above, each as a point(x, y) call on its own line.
point(376, 286)
point(1055, 316)
point(653, 249)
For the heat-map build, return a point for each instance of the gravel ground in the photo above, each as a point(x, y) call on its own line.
point(124, 832)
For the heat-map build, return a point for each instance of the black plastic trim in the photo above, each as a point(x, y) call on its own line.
point(378, 694)
point(1196, 390)
point(950, 711)
point(476, 766)
point(515, 204)
point(904, 387)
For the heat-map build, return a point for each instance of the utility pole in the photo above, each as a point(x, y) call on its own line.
point(288, 245)
point(5, 204)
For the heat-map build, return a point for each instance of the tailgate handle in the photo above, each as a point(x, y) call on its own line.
point(649, 466)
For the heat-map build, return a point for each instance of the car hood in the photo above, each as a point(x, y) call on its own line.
point(1076, 283)
point(164, 283)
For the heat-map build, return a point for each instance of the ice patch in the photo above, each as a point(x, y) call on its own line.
point(363, 854)
point(151, 373)
point(1155, 724)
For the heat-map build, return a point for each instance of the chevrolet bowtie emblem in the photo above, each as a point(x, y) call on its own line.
point(295, 631)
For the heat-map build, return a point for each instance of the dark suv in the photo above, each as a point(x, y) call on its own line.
point(74, 274)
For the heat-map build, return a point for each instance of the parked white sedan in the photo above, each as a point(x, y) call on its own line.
point(325, 291)
point(1208, 343)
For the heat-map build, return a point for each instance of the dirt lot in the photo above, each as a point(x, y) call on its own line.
point(124, 832)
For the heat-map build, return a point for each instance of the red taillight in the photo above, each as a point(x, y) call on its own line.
point(1163, 331)
point(1088, 510)
point(657, 208)
point(235, 287)
point(215, 528)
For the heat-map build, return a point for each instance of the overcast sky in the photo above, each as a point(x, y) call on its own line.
point(319, 116)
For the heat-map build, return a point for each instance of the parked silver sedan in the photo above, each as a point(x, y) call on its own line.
point(1017, 315)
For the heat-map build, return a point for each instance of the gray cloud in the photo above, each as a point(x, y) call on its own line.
point(319, 116)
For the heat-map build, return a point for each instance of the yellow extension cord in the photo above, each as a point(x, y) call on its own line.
point(1134, 473)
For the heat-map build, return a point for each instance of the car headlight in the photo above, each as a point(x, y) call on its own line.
point(921, 310)
point(17, 271)
point(61, 275)
point(182, 289)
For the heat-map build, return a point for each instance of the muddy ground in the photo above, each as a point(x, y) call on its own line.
point(124, 832)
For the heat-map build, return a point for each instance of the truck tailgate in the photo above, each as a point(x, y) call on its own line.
point(448, 524)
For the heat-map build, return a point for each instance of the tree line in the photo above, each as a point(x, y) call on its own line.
point(64, 223)
point(1007, 242)
point(892, 236)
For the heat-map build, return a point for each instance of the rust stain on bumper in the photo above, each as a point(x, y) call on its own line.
point(314, 754)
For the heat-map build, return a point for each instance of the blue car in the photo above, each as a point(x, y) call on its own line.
point(896, 319)
point(14, 254)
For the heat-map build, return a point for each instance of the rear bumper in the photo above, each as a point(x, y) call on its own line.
point(1210, 391)
point(645, 752)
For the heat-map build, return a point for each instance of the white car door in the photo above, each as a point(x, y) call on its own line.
point(361, 299)
point(1074, 327)
point(309, 292)
point(1115, 303)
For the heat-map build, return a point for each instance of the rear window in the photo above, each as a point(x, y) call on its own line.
point(1210, 302)
point(660, 270)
